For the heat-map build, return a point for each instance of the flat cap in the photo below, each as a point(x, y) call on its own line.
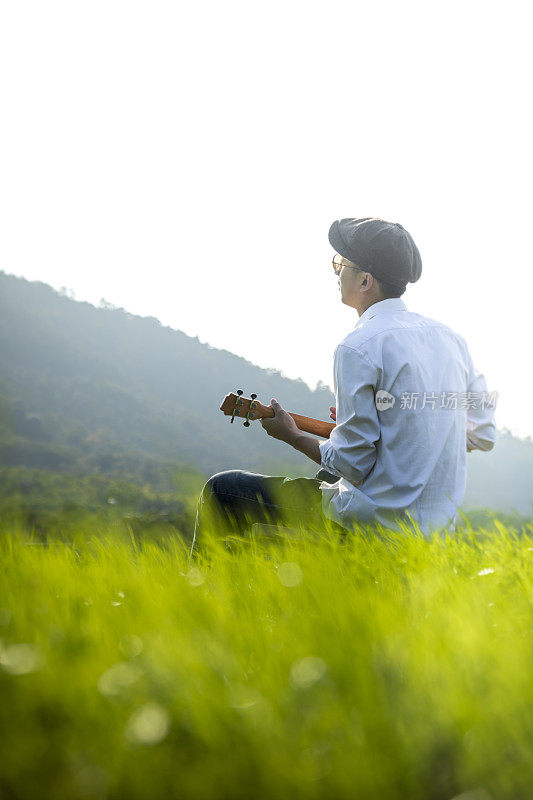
point(385, 249)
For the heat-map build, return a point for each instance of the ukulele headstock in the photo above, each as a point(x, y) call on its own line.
point(235, 405)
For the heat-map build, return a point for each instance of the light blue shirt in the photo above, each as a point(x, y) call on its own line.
point(403, 457)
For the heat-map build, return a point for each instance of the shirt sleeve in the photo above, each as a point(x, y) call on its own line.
point(480, 425)
point(350, 452)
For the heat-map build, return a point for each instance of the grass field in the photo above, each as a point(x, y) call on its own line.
point(383, 667)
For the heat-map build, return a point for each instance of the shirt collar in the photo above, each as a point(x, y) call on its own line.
point(388, 306)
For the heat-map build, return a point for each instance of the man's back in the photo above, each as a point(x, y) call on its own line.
point(407, 395)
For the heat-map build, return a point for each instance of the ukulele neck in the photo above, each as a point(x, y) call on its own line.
point(315, 426)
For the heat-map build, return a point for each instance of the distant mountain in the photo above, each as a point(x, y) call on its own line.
point(503, 478)
point(98, 390)
point(79, 379)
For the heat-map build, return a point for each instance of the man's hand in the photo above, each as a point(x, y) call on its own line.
point(333, 414)
point(281, 426)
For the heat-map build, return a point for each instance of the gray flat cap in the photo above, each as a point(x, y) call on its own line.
point(385, 249)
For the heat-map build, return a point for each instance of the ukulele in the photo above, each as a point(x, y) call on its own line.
point(235, 405)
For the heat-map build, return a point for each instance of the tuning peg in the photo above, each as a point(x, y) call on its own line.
point(250, 409)
point(238, 403)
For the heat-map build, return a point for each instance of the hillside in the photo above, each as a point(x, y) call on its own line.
point(78, 380)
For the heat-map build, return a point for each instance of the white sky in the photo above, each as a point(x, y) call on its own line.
point(185, 161)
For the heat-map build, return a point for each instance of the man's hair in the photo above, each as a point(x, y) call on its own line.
point(387, 290)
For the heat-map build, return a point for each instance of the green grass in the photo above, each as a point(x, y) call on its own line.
point(383, 667)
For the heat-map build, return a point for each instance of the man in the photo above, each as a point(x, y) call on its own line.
point(409, 406)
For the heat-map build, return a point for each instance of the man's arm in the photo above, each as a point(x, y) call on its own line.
point(307, 445)
point(350, 452)
point(480, 427)
point(283, 427)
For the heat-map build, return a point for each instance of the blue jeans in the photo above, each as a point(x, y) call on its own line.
point(232, 501)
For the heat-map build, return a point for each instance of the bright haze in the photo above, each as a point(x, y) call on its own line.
point(185, 161)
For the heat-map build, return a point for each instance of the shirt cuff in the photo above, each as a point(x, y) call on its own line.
point(327, 456)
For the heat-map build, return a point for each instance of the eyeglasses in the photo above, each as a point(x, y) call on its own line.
point(338, 265)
